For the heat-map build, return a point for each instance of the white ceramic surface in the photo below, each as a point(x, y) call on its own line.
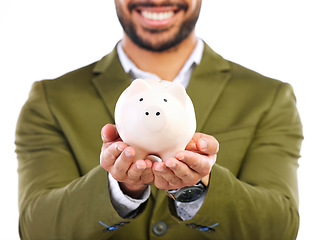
point(155, 117)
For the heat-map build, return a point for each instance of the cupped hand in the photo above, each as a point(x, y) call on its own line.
point(189, 166)
point(118, 159)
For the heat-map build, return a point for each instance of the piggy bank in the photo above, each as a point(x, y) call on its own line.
point(155, 117)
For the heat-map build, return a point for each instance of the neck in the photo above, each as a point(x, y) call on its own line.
point(166, 64)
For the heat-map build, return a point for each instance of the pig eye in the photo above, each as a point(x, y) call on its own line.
point(165, 100)
point(141, 99)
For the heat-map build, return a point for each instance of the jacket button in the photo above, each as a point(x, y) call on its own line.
point(159, 228)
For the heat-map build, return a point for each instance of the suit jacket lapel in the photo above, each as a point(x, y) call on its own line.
point(110, 80)
point(207, 82)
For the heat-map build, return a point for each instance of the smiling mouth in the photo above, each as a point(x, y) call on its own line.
point(157, 16)
point(154, 12)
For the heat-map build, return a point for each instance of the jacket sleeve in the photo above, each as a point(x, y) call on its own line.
point(262, 201)
point(55, 200)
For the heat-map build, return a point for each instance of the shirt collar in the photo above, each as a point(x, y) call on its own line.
point(183, 76)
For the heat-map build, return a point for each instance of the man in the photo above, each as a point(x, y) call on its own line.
point(251, 192)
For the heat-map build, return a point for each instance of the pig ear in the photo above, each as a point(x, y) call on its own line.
point(178, 91)
point(137, 86)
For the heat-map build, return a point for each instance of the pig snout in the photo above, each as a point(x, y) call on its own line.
point(154, 118)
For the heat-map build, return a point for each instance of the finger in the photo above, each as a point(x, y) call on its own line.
point(191, 146)
point(167, 177)
point(187, 175)
point(141, 171)
point(110, 154)
point(208, 145)
point(203, 143)
point(158, 168)
point(123, 164)
point(147, 177)
point(148, 163)
point(160, 182)
point(106, 145)
point(197, 162)
point(109, 133)
point(136, 170)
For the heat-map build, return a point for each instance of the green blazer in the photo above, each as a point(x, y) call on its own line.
point(63, 192)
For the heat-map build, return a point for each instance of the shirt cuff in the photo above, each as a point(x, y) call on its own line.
point(122, 203)
point(188, 210)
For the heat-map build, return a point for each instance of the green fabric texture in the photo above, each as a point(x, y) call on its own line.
point(63, 192)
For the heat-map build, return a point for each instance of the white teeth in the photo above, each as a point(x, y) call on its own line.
point(157, 16)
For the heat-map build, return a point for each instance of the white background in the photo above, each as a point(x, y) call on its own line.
point(42, 39)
